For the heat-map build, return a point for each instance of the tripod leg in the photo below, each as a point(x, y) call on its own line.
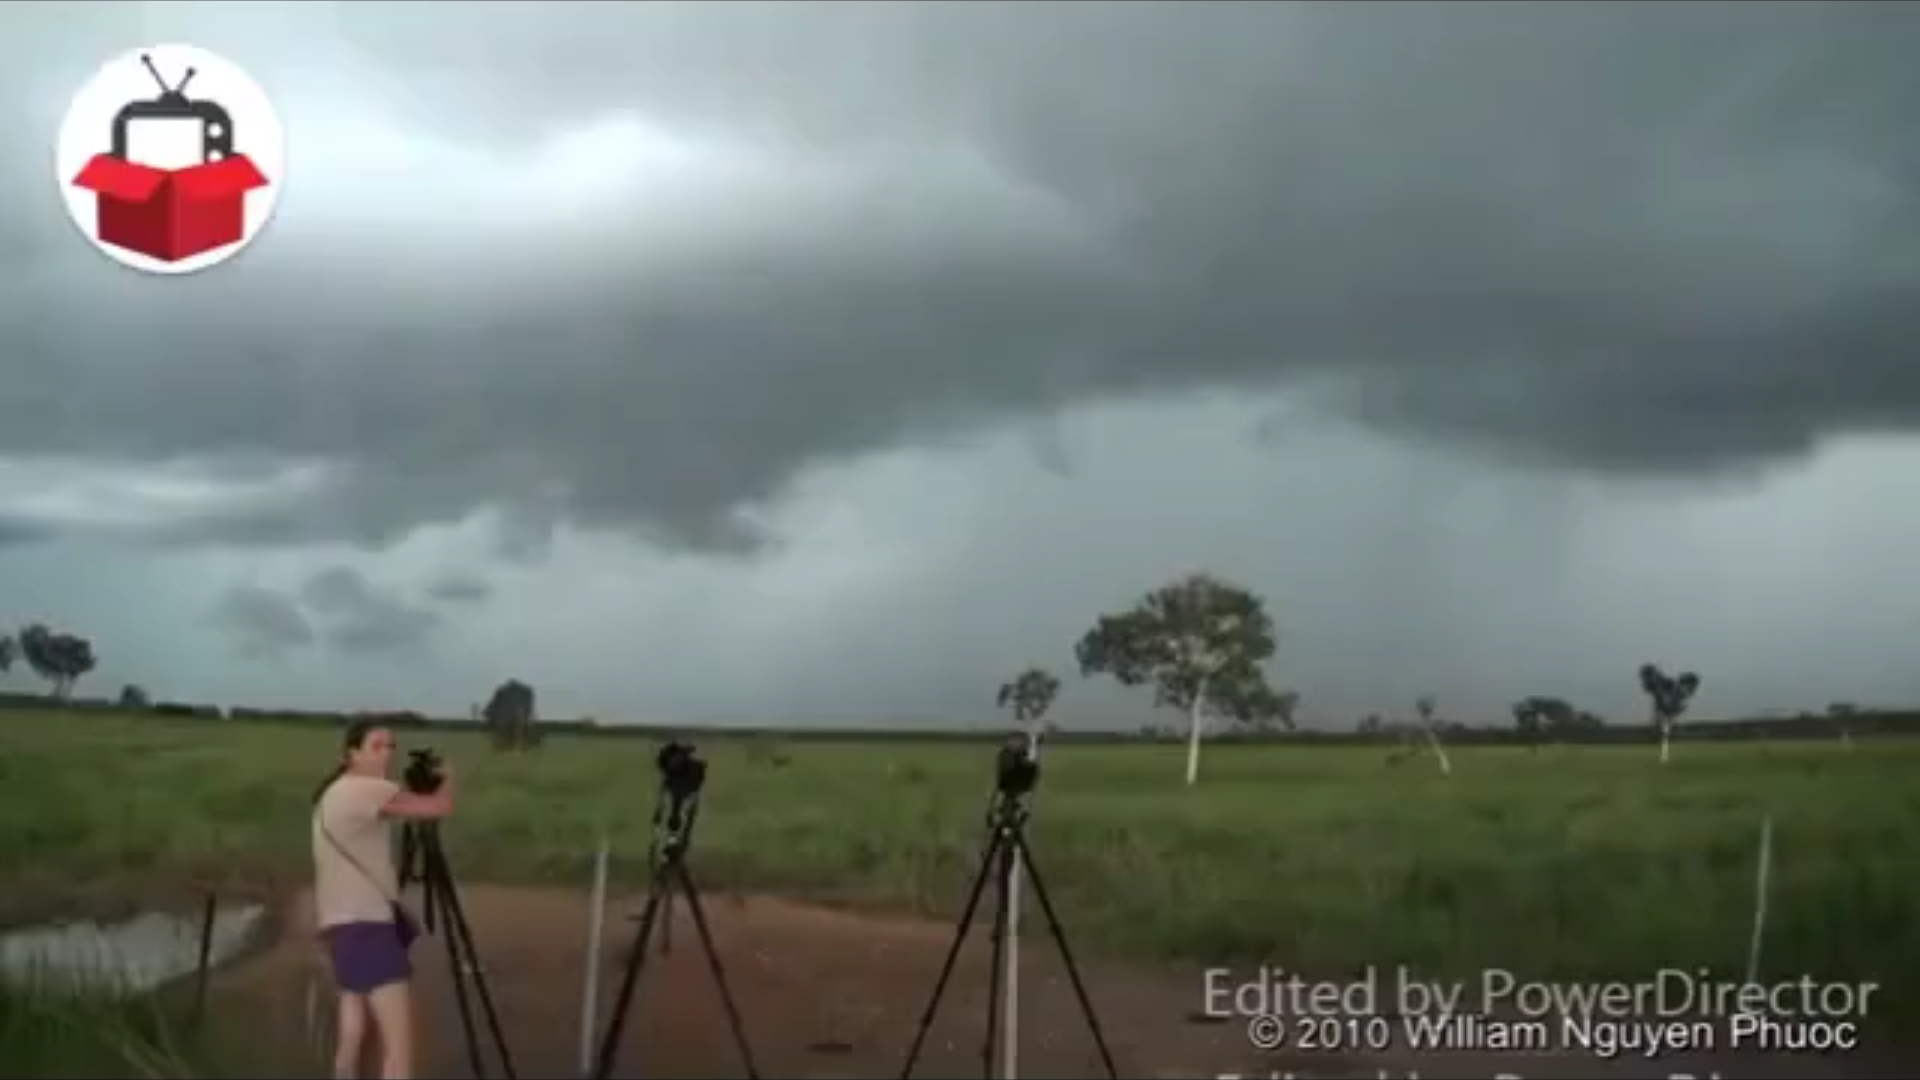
point(429, 888)
point(460, 930)
point(953, 953)
point(636, 958)
point(437, 897)
point(666, 925)
point(699, 914)
point(1003, 900)
point(1066, 955)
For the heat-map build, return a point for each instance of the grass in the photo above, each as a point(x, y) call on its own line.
point(1569, 863)
point(52, 1028)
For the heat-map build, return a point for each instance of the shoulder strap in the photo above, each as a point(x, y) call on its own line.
point(321, 823)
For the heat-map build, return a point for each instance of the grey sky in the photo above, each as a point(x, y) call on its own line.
point(833, 361)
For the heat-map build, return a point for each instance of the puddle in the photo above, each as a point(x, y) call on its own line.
point(136, 954)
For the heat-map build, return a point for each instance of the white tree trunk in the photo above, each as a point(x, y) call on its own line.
point(1195, 715)
point(1666, 743)
point(1439, 751)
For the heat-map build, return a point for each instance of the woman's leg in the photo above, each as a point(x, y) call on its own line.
point(392, 1007)
point(373, 1054)
point(350, 1032)
point(371, 969)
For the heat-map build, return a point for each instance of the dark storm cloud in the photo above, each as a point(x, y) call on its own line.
point(337, 607)
point(261, 622)
point(357, 616)
point(21, 531)
point(459, 589)
point(1647, 237)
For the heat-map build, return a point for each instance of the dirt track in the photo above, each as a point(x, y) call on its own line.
point(827, 994)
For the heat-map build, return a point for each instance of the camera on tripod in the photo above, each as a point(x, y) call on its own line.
point(422, 775)
point(682, 771)
point(1016, 770)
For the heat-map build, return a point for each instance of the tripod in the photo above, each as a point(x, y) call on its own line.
point(1006, 822)
point(676, 807)
point(423, 859)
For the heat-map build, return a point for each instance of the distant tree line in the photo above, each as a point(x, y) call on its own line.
point(1200, 643)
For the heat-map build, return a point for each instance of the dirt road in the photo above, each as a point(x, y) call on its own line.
point(835, 994)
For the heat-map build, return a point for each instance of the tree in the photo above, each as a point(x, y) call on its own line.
point(1276, 716)
point(60, 658)
point(1424, 707)
point(1200, 642)
point(1669, 696)
point(1029, 695)
point(510, 716)
point(134, 698)
point(1529, 719)
point(1538, 716)
point(1839, 713)
point(8, 650)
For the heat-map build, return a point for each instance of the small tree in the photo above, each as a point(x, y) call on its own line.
point(1528, 720)
point(8, 650)
point(1279, 716)
point(1424, 707)
point(1029, 695)
point(1539, 716)
point(510, 716)
point(133, 698)
point(1669, 696)
point(60, 658)
point(1200, 642)
point(1841, 714)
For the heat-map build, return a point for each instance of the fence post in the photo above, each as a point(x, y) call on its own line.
point(1762, 875)
point(203, 966)
point(590, 992)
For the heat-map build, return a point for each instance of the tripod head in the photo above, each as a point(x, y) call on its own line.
point(682, 774)
point(1015, 774)
point(1016, 771)
point(422, 774)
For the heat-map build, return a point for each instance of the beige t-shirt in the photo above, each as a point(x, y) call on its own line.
point(342, 891)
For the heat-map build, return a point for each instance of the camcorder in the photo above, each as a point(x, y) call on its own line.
point(1016, 769)
point(422, 775)
point(682, 771)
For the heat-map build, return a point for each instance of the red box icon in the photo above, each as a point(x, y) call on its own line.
point(170, 214)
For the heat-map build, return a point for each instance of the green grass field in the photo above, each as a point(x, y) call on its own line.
point(1571, 863)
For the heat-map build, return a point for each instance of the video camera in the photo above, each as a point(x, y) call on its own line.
point(422, 775)
point(1017, 771)
point(682, 771)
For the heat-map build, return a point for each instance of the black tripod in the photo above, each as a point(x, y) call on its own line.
point(423, 859)
point(1006, 822)
point(675, 810)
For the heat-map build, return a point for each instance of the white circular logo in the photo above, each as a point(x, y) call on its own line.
point(171, 159)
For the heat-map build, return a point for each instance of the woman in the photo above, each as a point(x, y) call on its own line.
point(356, 898)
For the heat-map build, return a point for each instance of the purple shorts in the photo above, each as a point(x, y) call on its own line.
point(366, 956)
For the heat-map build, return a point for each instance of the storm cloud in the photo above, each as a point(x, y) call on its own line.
point(655, 270)
point(1659, 237)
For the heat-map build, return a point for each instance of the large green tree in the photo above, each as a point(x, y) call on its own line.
point(1201, 643)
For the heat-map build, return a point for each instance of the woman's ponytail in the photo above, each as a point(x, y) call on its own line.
point(338, 771)
point(355, 735)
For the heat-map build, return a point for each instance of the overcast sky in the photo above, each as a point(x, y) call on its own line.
point(790, 363)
